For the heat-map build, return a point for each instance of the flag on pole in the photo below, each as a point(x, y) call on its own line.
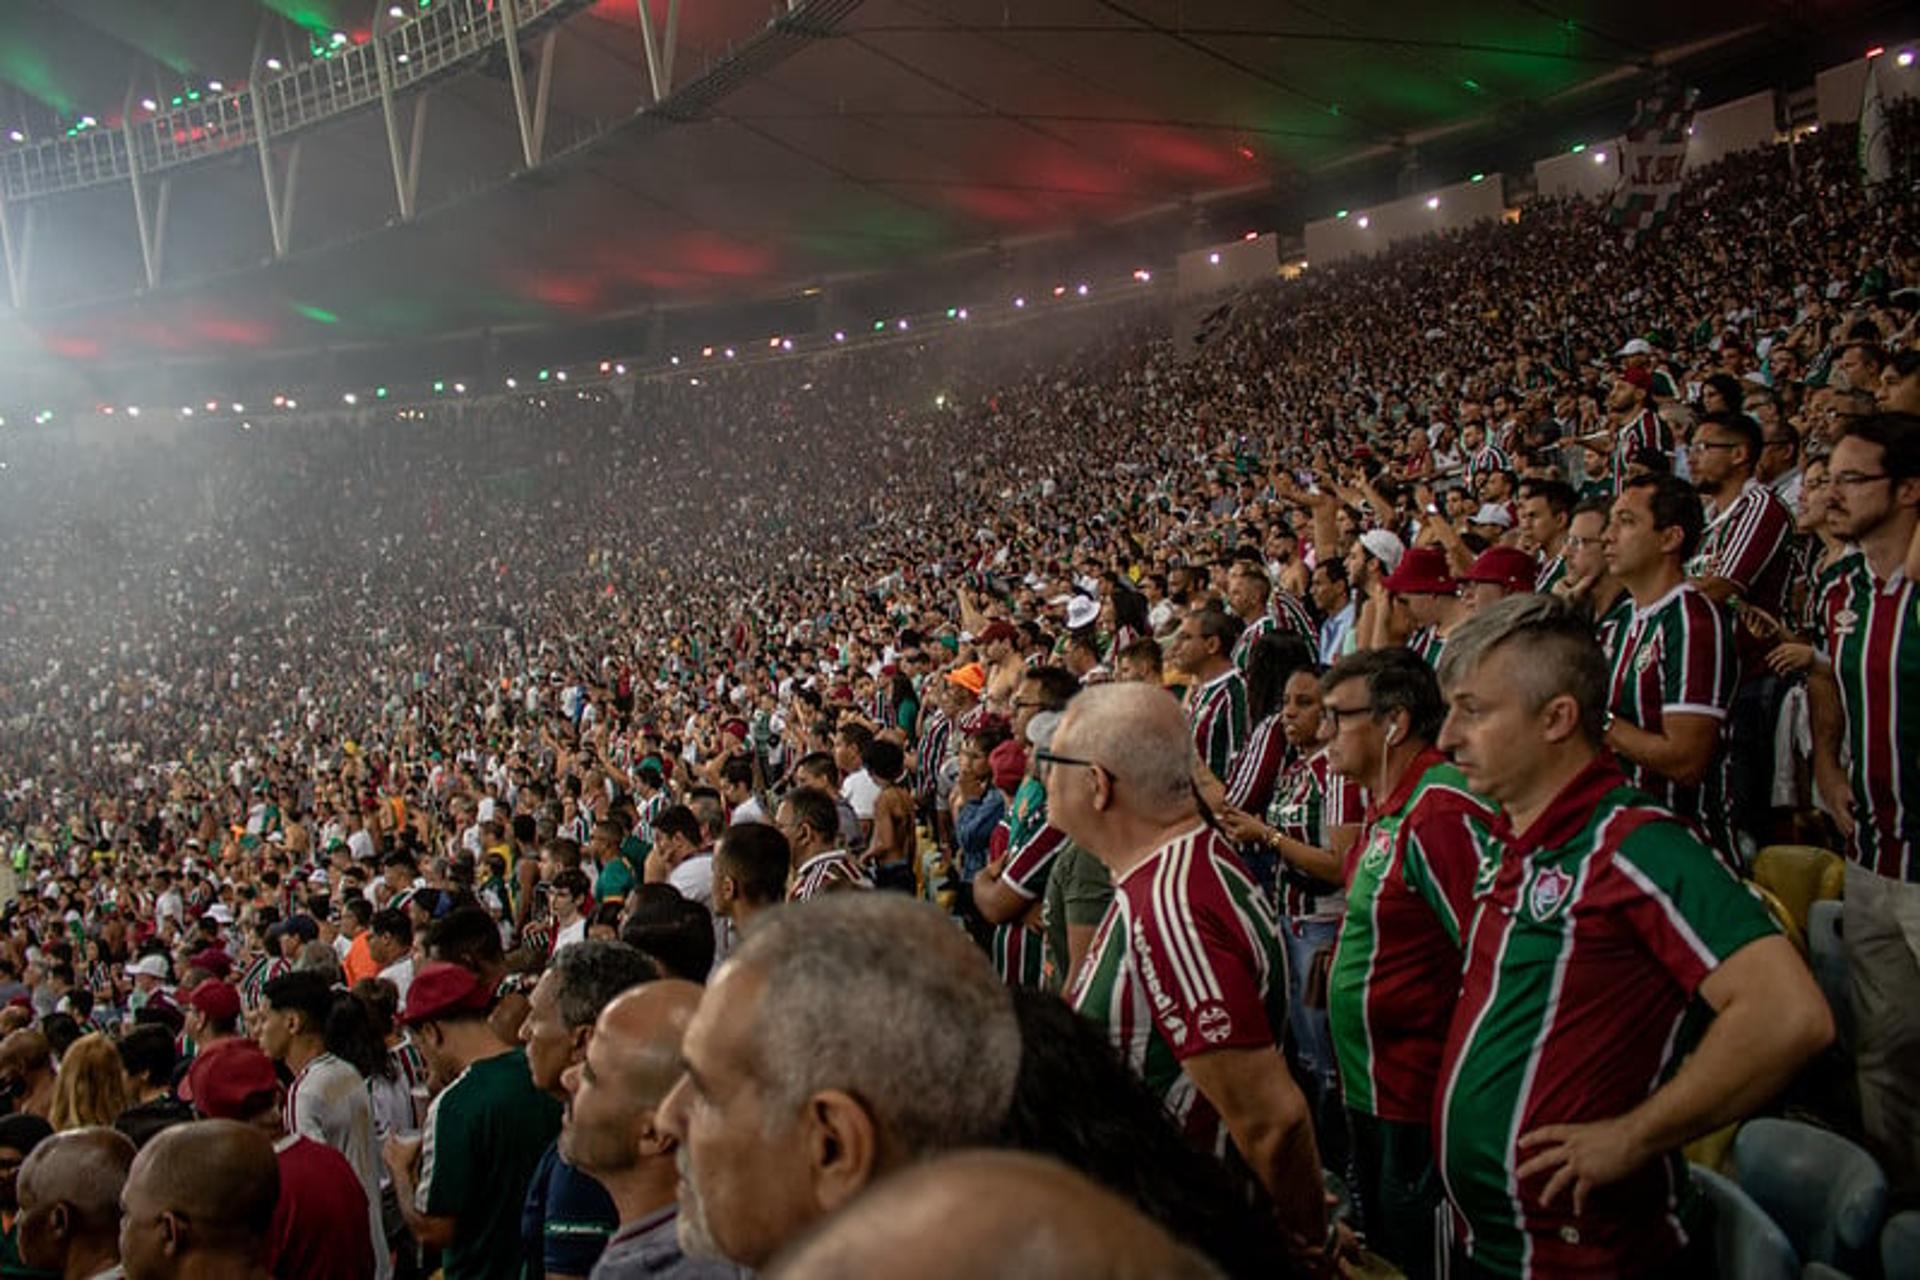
point(1876, 139)
point(1652, 160)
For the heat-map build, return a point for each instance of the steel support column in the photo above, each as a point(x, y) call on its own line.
point(266, 172)
point(517, 76)
point(287, 186)
point(389, 112)
point(147, 259)
point(659, 52)
point(417, 145)
point(160, 226)
point(16, 273)
point(673, 41)
point(543, 89)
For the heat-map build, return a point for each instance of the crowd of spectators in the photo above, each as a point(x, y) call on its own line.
point(657, 828)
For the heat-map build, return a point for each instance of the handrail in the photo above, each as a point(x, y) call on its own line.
point(450, 36)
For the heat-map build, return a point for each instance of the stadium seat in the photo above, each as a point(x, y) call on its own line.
point(1746, 1242)
point(1827, 1194)
point(1713, 1150)
point(1827, 953)
point(1799, 875)
point(1900, 1247)
point(1782, 915)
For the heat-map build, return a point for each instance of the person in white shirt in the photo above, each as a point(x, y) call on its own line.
point(567, 895)
point(856, 784)
point(736, 785)
point(390, 943)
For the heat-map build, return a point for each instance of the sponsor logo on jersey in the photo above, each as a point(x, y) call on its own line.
point(1844, 622)
point(1150, 975)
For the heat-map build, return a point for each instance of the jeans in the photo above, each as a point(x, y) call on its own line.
point(1311, 1040)
point(1312, 1036)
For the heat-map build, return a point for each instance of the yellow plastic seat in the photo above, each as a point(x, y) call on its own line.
point(1799, 875)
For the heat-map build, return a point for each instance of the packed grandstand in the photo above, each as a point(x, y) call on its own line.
point(1451, 741)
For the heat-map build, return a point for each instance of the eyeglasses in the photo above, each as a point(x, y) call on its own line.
point(1049, 759)
point(1342, 714)
point(1855, 479)
point(1573, 542)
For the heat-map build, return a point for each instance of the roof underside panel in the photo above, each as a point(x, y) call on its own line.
point(917, 129)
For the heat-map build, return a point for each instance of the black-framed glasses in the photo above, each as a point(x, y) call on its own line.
point(1342, 714)
point(1050, 759)
point(1854, 479)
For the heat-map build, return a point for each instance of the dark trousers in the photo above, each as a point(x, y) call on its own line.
point(897, 876)
point(1398, 1190)
point(1753, 717)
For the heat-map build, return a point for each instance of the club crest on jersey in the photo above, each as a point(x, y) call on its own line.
point(1378, 850)
point(1844, 622)
point(1548, 893)
point(1649, 655)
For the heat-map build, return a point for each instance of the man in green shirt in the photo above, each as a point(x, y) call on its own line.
point(1078, 890)
point(462, 1183)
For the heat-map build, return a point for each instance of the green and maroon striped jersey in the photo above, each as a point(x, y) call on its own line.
point(1186, 961)
point(1550, 575)
point(1611, 626)
point(1309, 802)
point(1599, 924)
point(1427, 644)
point(1750, 545)
point(1869, 633)
point(1217, 711)
point(1645, 430)
point(1264, 625)
point(1288, 610)
point(1677, 657)
point(1396, 966)
point(1019, 953)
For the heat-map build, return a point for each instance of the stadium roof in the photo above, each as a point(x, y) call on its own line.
point(879, 133)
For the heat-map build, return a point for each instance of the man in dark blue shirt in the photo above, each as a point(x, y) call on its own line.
point(568, 1215)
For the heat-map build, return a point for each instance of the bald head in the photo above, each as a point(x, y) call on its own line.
point(213, 1182)
point(641, 1032)
point(1139, 734)
point(1050, 1221)
point(630, 1063)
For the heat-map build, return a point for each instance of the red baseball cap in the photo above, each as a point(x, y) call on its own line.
point(214, 960)
point(441, 990)
point(215, 999)
point(1009, 764)
point(1422, 571)
point(1508, 567)
point(225, 1076)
